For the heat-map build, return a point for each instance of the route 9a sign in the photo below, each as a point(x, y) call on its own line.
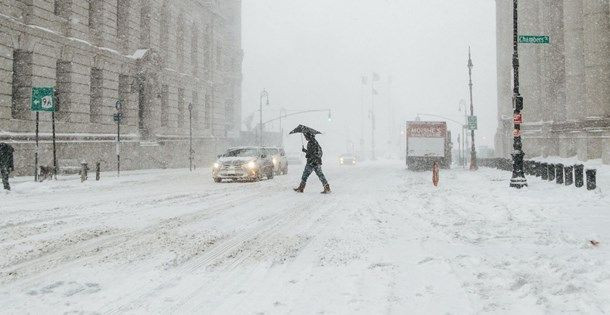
point(43, 99)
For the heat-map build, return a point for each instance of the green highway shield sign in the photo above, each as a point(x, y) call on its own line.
point(43, 99)
point(472, 123)
point(531, 39)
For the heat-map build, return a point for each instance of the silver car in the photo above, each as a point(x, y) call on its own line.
point(245, 164)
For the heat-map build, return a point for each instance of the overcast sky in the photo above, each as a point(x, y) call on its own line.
point(312, 54)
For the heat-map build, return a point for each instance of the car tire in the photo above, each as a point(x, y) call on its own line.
point(217, 180)
point(270, 175)
point(285, 172)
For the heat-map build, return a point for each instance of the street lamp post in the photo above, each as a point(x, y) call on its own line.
point(264, 94)
point(473, 151)
point(118, 117)
point(518, 178)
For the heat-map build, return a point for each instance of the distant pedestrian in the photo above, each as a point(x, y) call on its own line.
point(313, 154)
point(6, 163)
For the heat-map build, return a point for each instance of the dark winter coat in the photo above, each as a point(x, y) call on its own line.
point(313, 154)
point(6, 156)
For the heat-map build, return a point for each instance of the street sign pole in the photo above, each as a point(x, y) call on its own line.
point(118, 117)
point(54, 146)
point(43, 101)
point(518, 177)
point(37, 147)
point(55, 170)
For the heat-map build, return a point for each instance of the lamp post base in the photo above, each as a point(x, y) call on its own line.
point(518, 182)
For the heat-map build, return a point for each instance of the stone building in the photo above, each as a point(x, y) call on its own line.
point(155, 56)
point(565, 84)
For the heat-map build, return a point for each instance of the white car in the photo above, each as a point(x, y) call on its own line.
point(246, 163)
point(347, 159)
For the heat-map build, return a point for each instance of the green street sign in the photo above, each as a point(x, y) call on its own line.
point(43, 99)
point(472, 123)
point(532, 39)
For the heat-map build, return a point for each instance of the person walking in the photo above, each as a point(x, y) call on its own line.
point(313, 154)
point(6, 163)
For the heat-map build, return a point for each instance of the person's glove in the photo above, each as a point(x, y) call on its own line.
point(303, 149)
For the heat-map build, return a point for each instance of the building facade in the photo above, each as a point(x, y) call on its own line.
point(565, 84)
point(156, 57)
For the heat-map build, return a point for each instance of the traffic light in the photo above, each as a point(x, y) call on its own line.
point(329, 117)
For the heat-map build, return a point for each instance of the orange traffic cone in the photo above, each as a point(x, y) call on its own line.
point(435, 174)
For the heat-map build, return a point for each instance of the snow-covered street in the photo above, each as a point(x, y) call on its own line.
point(385, 241)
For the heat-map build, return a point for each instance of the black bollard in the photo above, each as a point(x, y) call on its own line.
point(97, 171)
point(591, 179)
point(551, 171)
point(544, 171)
point(538, 169)
point(569, 175)
point(559, 174)
point(83, 171)
point(579, 175)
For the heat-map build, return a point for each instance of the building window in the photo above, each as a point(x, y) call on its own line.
point(180, 108)
point(164, 31)
point(180, 44)
point(95, 13)
point(62, 88)
point(208, 112)
point(124, 91)
point(96, 94)
point(207, 50)
point(164, 104)
point(195, 50)
point(22, 84)
point(145, 25)
point(60, 8)
point(122, 22)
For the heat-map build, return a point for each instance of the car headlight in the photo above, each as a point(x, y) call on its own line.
point(216, 165)
point(251, 165)
point(341, 160)
point(274, 161)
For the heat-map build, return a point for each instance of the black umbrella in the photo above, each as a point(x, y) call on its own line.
point(305, 129)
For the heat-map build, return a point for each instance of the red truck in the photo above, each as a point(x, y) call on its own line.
point(428, 142)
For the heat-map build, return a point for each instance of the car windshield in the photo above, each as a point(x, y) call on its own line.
point(246, 152)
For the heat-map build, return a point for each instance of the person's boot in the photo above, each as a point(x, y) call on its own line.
point(326, 189)
point(301, 188)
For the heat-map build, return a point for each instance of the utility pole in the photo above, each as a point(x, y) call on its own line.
point(473, 151)
point(264, 94)
point(518, 178)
